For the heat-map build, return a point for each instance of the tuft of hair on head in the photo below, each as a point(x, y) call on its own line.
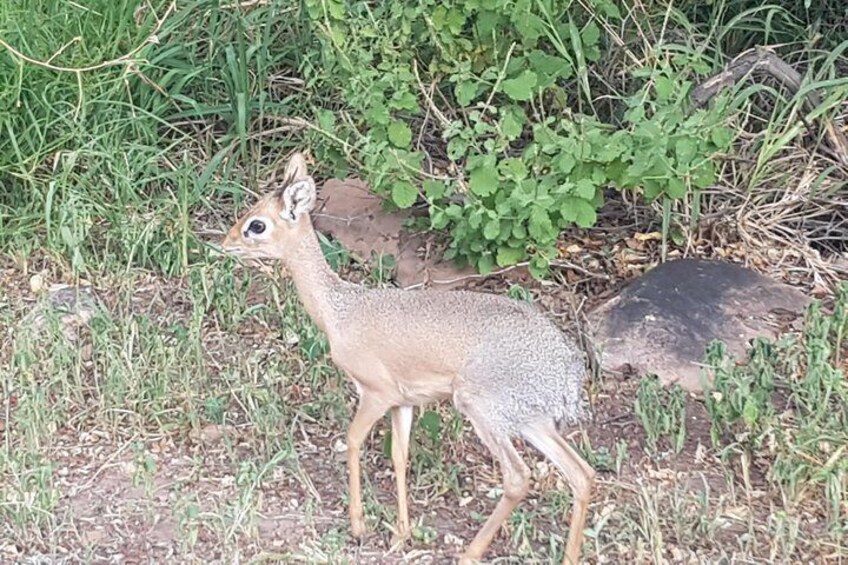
point(296, 168)
point(295, 172)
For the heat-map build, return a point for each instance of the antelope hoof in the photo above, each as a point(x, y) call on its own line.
point(399, 538)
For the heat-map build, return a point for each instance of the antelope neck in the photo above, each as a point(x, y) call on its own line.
point(315, 281)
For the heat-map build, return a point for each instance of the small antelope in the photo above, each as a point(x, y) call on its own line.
point(508, 369)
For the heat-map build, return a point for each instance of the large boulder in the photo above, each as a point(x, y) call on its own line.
point(662, 322)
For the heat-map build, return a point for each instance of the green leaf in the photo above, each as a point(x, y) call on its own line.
point(589, 37)
point(475, 219)
point(465, 92)
point(509, 256)
point(431, 423)
point(676, 189)
point(513, 168)
point(439, 17)
point(548, 67)
point(336, 10)
point(652, 189)
point(404, 194)
point(664, 87)
point(439, 220)
point(485, 264)
point(519, 231)
point(611, 147)
point(454, 211)
point(434, 189)
point(326, 120)
point(750, 412)
point(540, 226)
point(586, 215)
point(704, 175)
point(487, 22)
point(635, 114)
point(455, 20)
point(399, 134)
point(512, 123)
point(565, 162)
point(609, 9)
point(578, 211)
point(585, 189)
point(520, 87)
point(685, 150)
point(484, 179)
point(492, 229)
point(530, 26)
point(457, 148)
point(548, 64)
point(378, 114)
point(539, 267)
point(590, 34)
point(721, 137)
point(405, 100)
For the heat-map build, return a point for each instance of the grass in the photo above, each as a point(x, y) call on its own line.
point(197, 415)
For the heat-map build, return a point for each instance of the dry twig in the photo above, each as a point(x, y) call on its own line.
point(762, 60)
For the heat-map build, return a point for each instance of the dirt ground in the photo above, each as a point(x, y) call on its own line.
point(225, 493)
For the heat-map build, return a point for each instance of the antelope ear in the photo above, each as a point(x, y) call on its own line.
point(298, 199)
point(296, 167)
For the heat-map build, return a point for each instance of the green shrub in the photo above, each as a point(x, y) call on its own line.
point(501, 92)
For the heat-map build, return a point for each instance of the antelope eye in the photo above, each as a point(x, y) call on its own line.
point(256, 226)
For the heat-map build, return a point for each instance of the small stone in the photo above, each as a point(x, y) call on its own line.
point(210, 433)
point(451, 539)
point(36, 283)
point(92, 537)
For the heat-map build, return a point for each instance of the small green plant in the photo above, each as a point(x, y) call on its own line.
point(188, 517)
point(743, 396)
point(788, 407)
point(214, 408)
point(518, 292)
point(662, 412)
point(221, 293)
point(382, 269)
point(337, 256)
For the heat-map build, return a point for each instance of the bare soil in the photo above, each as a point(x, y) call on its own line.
point(183, 505)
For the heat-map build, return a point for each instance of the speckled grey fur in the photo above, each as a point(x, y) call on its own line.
point(505, 356)
point(519, 367)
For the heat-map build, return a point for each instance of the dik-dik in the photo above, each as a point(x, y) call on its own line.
point(508, 369)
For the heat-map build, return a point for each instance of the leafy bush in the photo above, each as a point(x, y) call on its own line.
point(490, 89)
point(789, 406)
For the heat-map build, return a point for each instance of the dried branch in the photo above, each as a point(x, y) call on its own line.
point(764, 61)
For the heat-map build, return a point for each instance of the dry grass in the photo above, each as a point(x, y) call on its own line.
point(226, 443)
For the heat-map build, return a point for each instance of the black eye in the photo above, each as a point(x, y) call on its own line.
point(256, 227)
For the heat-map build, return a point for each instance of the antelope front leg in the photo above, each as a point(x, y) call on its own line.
point(367, 414)
point(401, 428)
